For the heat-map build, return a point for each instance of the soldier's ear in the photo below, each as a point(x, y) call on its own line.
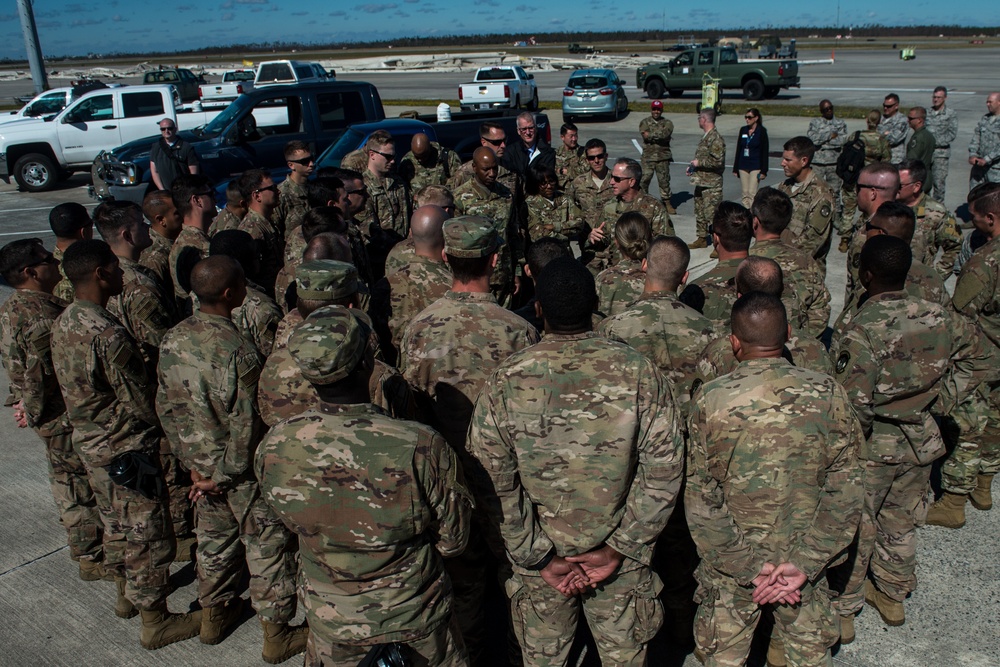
point(444, 256)
point(737, 346)
point(645, 265)
point(684, 278)
point(538, 310)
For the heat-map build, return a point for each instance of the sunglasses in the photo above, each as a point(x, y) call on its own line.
point(389, 157)
point(495, 142)
point(304, 161)
point(168, 129)
point(861, 186)
point(270, 188)
point(619, 179)
point(889, 106)
point(594, 158)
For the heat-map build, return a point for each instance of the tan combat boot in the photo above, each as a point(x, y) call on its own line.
point(948, 511)
point(218, 620)
point(776, 653)
point(92, 570)
point(123, 606)
point(844, 244)
point(890, 610)
point(161, 628)
point(846, 629)
point(282, 641)
point(982, 498)
point(670, 208)
point(698, 243)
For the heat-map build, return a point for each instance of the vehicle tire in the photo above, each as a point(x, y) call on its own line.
point(97, 177)
point(568, 119)
point(655, 89)
point(35, 173)
point(533, 105)
point(770, 92)
point(676, 92)
point(616, 115)
point(753, 89)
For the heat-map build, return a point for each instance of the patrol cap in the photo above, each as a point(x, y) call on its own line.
point(470, 236)
point(327, 280)
point(327, 345)
point(657, 104)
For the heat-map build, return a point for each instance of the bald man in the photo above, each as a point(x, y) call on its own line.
point(427, 163)
point(877, 184)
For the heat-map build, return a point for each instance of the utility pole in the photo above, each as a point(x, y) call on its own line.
point(32, 46)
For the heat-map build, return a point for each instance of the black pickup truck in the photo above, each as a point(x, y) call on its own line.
point(251, 132)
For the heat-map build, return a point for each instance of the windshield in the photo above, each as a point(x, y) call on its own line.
point(349, 141)
point(223, 120)
point(588, 82)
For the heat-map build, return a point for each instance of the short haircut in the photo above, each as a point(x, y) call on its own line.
point(896, 219)
point(437, 195)
point(233, 193)
point(378, 138)
point(632, 168)
point(773, 208)
point(567, 295)
point(543, 251)
point(322, 190)
point(487, 127)
point(888, 259)
point(708, 114)
point(667, 260)
point(249, 181)
point(596, 143)
point(801, 147)
point(322, 219)
point(111, 217)
point(759, 274)
point(211, 276)
point(917, 169)
point(760, 319)
point(237, 244)
point(184, 188)
point(941, 89)
point(633, 234)
point(66, 220)
point(920, 111)
point(156, 204)
point(567, 127)
point(879, 170)
point(467, 269)
point(84, 257)
point(733, 224)
point(985, 198)
point(873, 118)
point(538, 173)
point(293, 147)
point(15, 256)
point(893, 96)
point(328, 245)
point(343, 174)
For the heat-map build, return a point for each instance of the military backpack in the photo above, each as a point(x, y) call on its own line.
point(851, 160)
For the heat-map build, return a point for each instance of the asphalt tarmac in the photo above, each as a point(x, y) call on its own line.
point(49, 617)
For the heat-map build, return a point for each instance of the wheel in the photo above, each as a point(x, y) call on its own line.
point(654, 89)
point(770, 92)
point(753, 89)
point(617, 114)
point(676, 92)
point(35, 173)
point(533, 105)
point(568, 119)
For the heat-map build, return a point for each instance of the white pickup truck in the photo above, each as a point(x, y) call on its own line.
point(499, 87)
point(38, 152)
point(234, 83)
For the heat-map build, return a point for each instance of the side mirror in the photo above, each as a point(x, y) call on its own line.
point(531, 76)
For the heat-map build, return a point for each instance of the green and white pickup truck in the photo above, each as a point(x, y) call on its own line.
point(756, 78)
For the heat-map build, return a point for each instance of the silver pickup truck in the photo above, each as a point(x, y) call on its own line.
point(234, 83)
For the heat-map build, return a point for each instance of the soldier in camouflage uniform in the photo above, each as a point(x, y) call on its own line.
point(893, 358)
point(164, 226)
point(109, 401)
point(388, 199)
point(580, 506)
point(813, 202)
point(194, 199)
point(706, 175)
point(670, 334)
point(767, 546)
point(732, 230)
point(292, 202)
point(936, 226)
point(207, 403)
point(592, 190)
point(427, 163)
point(431, 195)
point(25, 325)
point(570, 160)
point(70, 222)
point(262, 197)
point(621, 284)
point(411, 516)
point(772, 211)
point(984, 147)
point(943, 124)
point(486, 197)
point(876, 150)
point(550, 211)
point(232, 213)
point(892, 127)
point(877, 184)
point(829, 134)
point(656, 132)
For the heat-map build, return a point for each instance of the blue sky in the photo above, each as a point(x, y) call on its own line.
point(104, 26)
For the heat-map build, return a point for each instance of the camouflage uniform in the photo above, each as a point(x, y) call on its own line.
point(558, 218)
point(607, 470)
point(257, 319)
point(143, 309)
point(892, 358)
point(802, 351)
point(893, 129)
point(669, 334)
point(985, 143)
point(64, 290)
point(707, 179)
point(25, 324)
point(943, 124)
point(812, 216)
point(824, 163)
point(656, 155)
point(309, 469)
point(156, 258)
point(936, 228)
point(356, 160)
point(719, 287)
point(190, 240)
point(292, 205)
point(573, 162)
point(804, 276)
point(474, 198)
point(876, 150)
point(270, 245)
point(772, 476)
point(606, 252)
point(618, 286)
point(401, 296)
point(589, 197)
point(207, 387)
point(109, 401)
point(465, 174)
point(226, 220)
point(416, 175)
point(388, 205)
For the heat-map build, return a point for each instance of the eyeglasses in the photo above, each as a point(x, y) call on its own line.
point(270, 188)
point(869, 227)
point(619, 179)
point(304, 161)
point(594, 158)
point(168, 129)
point(861, 186)
point(527, 128)
point(495, 142)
